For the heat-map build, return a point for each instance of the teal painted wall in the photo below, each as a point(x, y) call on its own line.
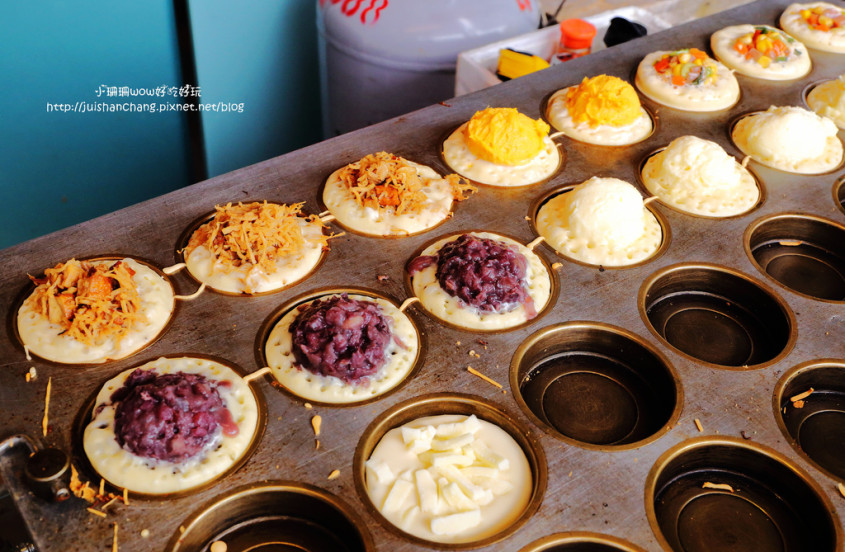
point(262, 54)
point(57, 169)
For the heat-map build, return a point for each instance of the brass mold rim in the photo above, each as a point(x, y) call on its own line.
point(451, 403)
point(839, 193)
point(26, 291)
point(324, 207)
point(228, 497)
point(541, 200)
point(554, 287)
point(544, 114)
point(193, 226)
point(740, 116)
point(757, 182)
point(756, 224)
point(532, 340)
point(577, 537)
point(725, 441)
point(731, 272)
point(277, 314)
point(779, 395)
point(561, 162)
point(83, 418)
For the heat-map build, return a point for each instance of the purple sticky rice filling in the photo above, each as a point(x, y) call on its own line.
point(169, 417)
point(483, 273)
point(341, 337)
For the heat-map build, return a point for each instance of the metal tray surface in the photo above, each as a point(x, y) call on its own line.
point(589, 489)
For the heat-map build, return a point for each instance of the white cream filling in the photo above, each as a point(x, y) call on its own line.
point(790, 139)
point(384, 221)
point(47, 340)
point(796, 66)
point(449, 478)
point(697, 176)
point(829, 41)
point(330, 389)
point(595, 224)
point(454, 311)
point(458, 156)
point(150, 476)
point(828, 100)
point(602, 135)
point(721, 94)
point(249, 278)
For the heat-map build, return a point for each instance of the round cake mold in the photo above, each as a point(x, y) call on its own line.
point(459, 406)
point(595, 385)
point(557, 113)
point(457, 156)
point(385, 221)
point(701, 179)
point(274, 515)
point(717, 315)
point(47, 339)
point(539, 284)
point(790, 139)
point(605, 216)
point(581, 541)
point(248, 279)
point(801, 252)
point(403, 353)
point(715, 493)
point(222, 455)
point(809, 406)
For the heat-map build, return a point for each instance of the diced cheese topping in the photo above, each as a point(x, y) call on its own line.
point(454, 496)
point(454, 442)
point(380, 471)
point(476, 493)
point(470, 425)
point(441, 459)
point(427, 492)
point(455, 523)
point(489, 457)
point(457, 473)
point(397, 495)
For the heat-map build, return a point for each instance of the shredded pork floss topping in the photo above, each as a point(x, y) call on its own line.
point(92, 302)
point(383, 180)
point(257, 234)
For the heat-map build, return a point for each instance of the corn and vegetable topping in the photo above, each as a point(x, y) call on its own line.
point(824, 19)
point(766, 45)
point(688, 66)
